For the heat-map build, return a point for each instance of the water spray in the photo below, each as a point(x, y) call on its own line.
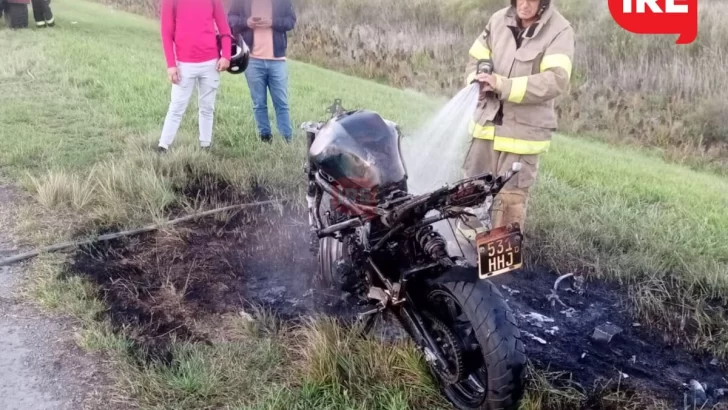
point(436, 152)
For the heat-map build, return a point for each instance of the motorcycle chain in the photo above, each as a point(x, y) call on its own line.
point(450, 347)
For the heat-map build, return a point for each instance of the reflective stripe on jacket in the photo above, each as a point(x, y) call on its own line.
point(521, 116)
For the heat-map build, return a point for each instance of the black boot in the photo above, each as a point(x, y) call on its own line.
point(42, 14)
point(49, 17)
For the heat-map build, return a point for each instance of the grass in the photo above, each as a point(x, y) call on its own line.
point(657, 227)
point(101, 108)
point(423, 44)
point(82, 106)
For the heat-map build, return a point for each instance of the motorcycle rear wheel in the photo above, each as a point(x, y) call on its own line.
point(477, 314)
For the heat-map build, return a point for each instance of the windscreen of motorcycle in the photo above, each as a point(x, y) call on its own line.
point(359, 150)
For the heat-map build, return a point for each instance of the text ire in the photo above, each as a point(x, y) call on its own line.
point(670, 6)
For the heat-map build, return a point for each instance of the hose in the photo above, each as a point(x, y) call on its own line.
point(107, 237)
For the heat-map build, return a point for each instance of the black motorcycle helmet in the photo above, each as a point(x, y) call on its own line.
point(239, 55)
point(542, 7)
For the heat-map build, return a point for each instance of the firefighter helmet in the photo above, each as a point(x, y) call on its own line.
point(541, 7)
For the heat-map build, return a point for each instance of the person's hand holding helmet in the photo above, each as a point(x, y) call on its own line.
point(223, 64)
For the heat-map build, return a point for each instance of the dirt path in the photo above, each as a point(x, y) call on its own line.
point(40, 366)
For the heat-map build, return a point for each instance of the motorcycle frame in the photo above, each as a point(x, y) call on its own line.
point(396, 296)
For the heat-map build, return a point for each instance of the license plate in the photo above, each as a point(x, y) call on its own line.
point(499, 251)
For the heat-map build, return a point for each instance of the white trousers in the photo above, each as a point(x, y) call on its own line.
point(207, 79)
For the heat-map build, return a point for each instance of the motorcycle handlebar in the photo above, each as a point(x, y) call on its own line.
point(459, 195)
point(464, 193)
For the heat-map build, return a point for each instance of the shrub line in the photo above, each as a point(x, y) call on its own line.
point(108, 237)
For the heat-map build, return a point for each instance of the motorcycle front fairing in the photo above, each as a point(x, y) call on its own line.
point(360, 150)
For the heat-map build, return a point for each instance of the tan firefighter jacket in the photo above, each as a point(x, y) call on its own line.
point(521, 117)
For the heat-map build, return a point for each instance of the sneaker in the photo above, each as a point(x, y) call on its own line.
point(205, 148)
point(162, 150)
point(266, 138)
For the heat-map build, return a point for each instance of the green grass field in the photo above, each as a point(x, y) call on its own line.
point(81, 108)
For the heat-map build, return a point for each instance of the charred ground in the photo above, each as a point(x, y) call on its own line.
point(171, 284)
point(175, 284)
point(636, 363)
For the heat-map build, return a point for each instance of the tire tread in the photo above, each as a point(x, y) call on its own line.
point(500, 341)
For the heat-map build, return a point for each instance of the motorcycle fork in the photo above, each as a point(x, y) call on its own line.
point(415, 326)
point(314, 192)
point(407, 316)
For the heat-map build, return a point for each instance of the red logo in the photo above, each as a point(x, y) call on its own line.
point(658, 17)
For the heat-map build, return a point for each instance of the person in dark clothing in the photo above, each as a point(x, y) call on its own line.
point(264, 25)
point(42, 13)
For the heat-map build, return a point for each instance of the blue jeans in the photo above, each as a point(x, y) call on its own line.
point(264, 75)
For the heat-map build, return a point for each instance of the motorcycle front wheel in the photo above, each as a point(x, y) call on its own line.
point(488, 365)
point(330, 250)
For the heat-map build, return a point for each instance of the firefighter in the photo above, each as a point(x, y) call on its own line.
point(42, 13)
point(531, 47)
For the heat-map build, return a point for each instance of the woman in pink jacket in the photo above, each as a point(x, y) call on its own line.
point(193, 59)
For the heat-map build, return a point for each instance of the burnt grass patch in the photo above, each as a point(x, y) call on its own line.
point(637, 362)
point(170, 285)
point(175, 284)
point(209, 188)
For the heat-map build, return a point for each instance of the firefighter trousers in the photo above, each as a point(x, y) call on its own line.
point(511, 203)
point(42, 13)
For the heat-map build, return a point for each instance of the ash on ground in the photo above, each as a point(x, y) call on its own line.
point(164, 282)
point(594, 339)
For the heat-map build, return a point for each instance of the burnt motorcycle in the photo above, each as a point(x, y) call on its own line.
point(375, 241)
